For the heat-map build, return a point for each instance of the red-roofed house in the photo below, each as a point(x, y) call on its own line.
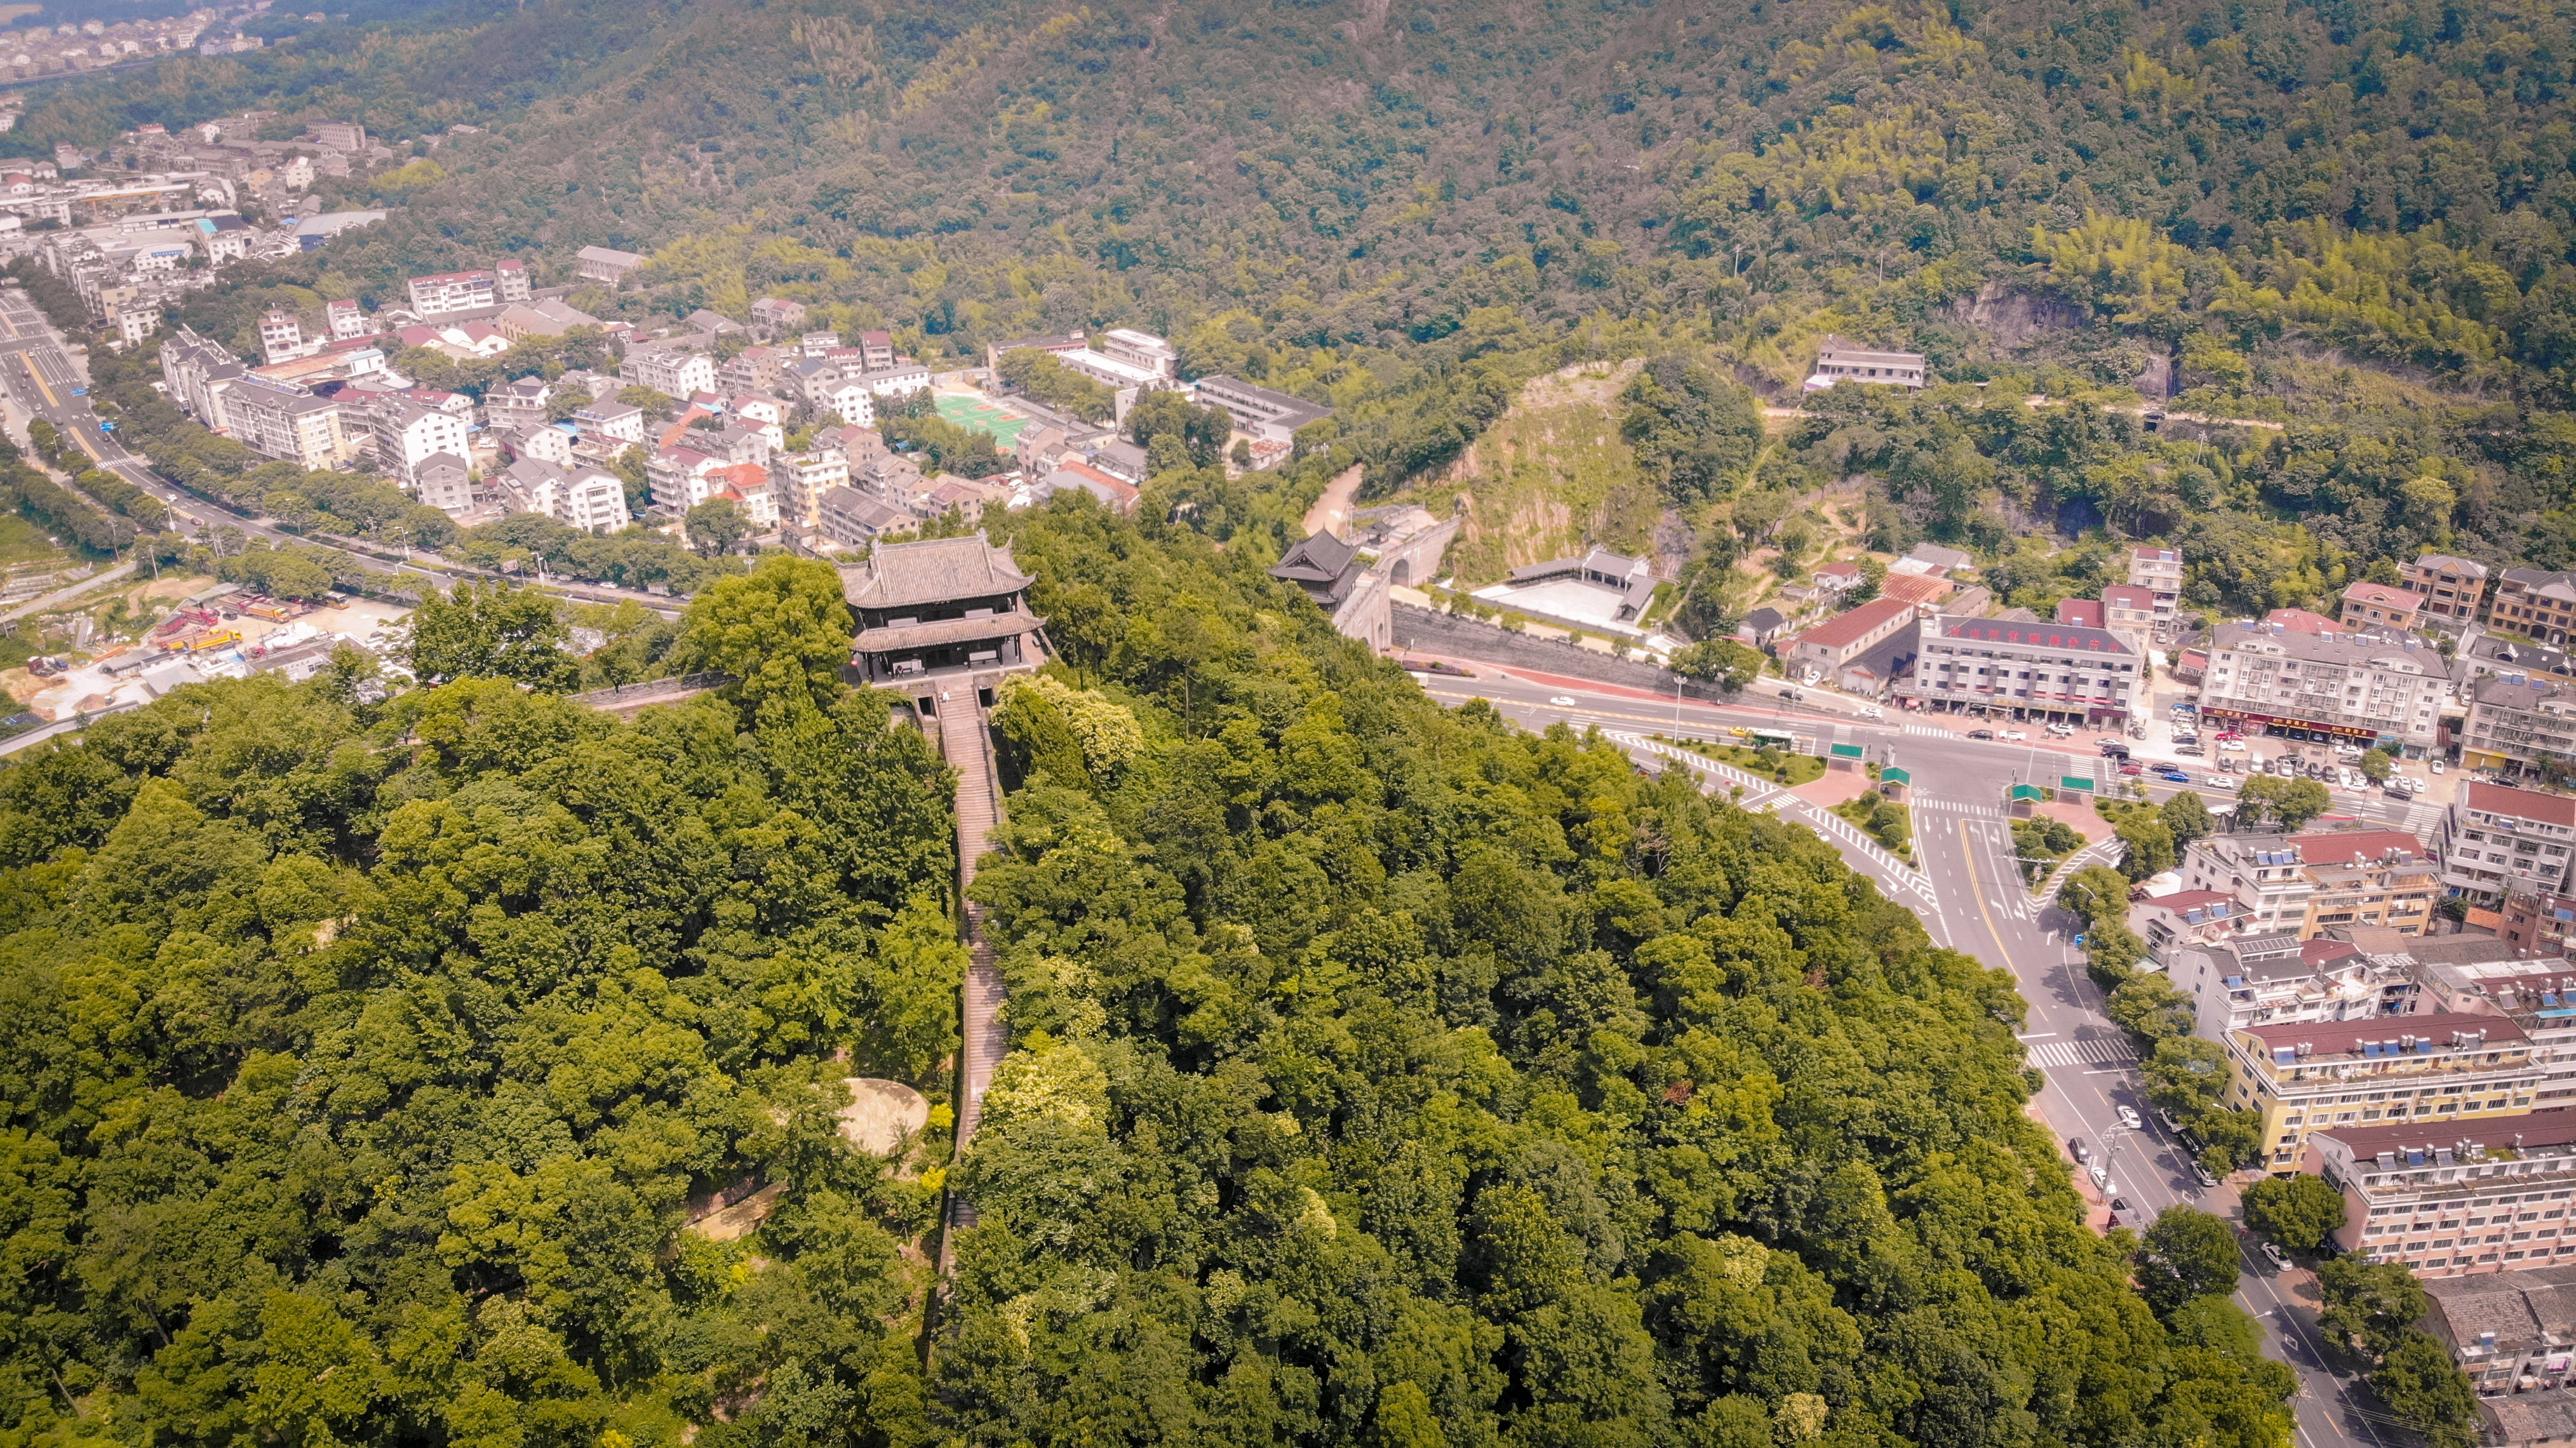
point(2085, 611)
point(2381, 605)
point(2367, 877)
point(2185, 917)
point(2299, 620)
point(2129, 608)
point(1829, 647)
point(2497, 839)
point(1838, 578)
point(747, 484)
point(1919, 589)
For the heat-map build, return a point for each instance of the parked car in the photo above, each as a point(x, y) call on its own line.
point(2279, 1259)
point(2075, 1146)
point(1981, 734)
point(2012, 734)
point(2101, 1175)
point(2061, 730)
point(1791, 695)
point(2129, 1118)
point(2168, 1121)
point(2436, 766)
point(2201, 1175)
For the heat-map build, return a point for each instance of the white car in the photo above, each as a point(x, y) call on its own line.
point(2279, 1259)
point(2219, 781)
point(2011, 734)
point(2061, 730)
point(2129, 1118)
point(1562, 701)
point(1872, 711)
point(2101, 1175)
point(2437, 766)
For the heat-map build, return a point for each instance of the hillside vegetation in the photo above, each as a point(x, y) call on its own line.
point(1412, 209)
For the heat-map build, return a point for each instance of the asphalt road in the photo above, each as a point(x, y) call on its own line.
point(1972, 899)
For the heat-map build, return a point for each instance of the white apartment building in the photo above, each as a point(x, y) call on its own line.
point(1141, 350)
point(610, 420)
point(409, 433)
point(2159, 571)
point(346, 318)
point(2279, 980)
point(448, 292)
point(281, 337)
point(2518, 723)
point(2075, 672)
point(846, 399)
point(2361, 688)
point(280, 420)
point(2261, 871)
point(197, 373)
point(669, 368)
point(2496, 838)
point(511, 281)
point(584, 498)
point(680, 479)
point(800, 480)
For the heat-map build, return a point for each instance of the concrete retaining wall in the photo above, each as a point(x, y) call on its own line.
point(1434, 632)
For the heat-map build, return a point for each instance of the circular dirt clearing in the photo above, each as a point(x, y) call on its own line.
point(881, 1114)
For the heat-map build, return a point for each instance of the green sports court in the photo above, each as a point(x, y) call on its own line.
point(982, 415)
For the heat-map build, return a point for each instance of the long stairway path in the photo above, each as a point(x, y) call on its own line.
point(968, 746)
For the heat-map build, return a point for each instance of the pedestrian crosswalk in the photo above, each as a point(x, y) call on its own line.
point(1971, 808)
point(2092, 1051)
point(1931, 731)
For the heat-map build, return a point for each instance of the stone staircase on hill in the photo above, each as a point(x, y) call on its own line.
point(968, 745)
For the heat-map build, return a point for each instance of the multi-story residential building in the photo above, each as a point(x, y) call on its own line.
point(533, 437)
point(450, 292)
point(2497, 839)
point(2485, 974)
point(610, 420)
point(848, 516)
point(408, 433)
point(2365, 878)
point(747, 486)
point(2381, 606)
point(2536, 604)
point(679, 479)
point(2537, 924)
point(2486, 655)
point(2035, 670)
point(876, 351)
point(776, 317)
point(753, 369)
point(283, 421)
point(340, 135)
point(2452, 589)
point(844, 398)
point(2520, 725)
point(2261, 870)
point(2131, 609)
point(2265, 980)
point(2459, 1206)
point(2159, 572)
point(2430, 1069)
point(197, 372)
point(511, 282)
point(674, 368)
point(765, 415)
point(521, 401)
point(281, 337)
point(801, 479)
point(1828, 649)
point(584, 498)
point(346, 319)
point(2363, 688)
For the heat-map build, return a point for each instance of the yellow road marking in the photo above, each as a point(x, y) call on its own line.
point(1968, 857)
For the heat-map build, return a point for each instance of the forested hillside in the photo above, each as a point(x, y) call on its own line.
point(361, 1063)
point(1379, 1075)
point(2356, 221)
point(1395, 1077)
